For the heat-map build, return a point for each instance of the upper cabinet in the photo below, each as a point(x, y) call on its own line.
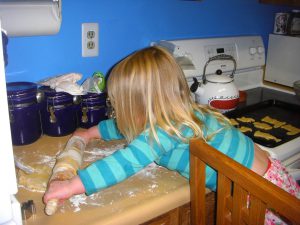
point(282, 2)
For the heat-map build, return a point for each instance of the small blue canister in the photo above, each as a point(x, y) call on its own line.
point(92, 109)
point(24, 112)
point(58, 112)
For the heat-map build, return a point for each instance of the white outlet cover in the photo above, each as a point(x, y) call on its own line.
point(85, 28)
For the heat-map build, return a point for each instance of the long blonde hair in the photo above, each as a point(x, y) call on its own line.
point(148, 89)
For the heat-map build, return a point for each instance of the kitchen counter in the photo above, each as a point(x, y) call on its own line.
point(144, 196)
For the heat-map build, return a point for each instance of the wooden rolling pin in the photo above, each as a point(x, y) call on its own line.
point(67, 163)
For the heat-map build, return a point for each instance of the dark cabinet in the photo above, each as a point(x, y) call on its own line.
point(181, 215)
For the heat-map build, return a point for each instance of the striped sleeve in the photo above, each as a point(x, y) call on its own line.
point(232, 143)
point(109, 130)
point(123, 163)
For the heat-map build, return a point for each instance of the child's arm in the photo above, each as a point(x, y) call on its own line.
point(109, 130)
point(125, 162)
point(106, 130)
point(88, 134)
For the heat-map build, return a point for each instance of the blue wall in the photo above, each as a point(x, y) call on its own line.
point(129, 25)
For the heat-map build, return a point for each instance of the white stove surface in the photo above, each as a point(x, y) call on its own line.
point(293, 165)
point(284, 151)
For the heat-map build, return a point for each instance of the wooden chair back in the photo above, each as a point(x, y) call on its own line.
point(234, 183)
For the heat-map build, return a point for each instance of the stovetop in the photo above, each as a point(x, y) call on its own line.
point(261, 94)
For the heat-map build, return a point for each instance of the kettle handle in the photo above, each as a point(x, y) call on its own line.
point(195, 85)
point(219, 57)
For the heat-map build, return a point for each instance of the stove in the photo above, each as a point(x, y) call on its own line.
point(249, 53)
point(289, 152)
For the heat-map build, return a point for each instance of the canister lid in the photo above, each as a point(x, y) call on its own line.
point(50, 92)
point(20, 87)
point(54, 97)
point(21, 92)
point(94, 98)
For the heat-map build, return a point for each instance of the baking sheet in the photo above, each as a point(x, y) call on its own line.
point(275, 109)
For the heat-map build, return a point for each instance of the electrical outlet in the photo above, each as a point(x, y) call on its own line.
point(90, 39)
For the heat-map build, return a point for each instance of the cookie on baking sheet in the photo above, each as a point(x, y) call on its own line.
point(263, 126)
point(233, 122)
point(246, 119)
point(266, 136)
point(245, 129)
point(291, 129)
point(274, 122)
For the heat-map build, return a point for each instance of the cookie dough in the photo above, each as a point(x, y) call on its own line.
point(233, 122)
point(266, 136)
point(36, 181)
point(245, 129)
point(291, 129)
point(263, 126)
point(246, 119)
point(274, 122)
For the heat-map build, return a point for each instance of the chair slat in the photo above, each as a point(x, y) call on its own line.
point(223, 199)
point(197, 187)
point(239, 202)
point(256, 211)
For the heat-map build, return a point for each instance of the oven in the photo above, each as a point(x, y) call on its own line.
point(262, 99)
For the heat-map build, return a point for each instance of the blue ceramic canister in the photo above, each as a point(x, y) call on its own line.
point(24, 114)
point(92, 109)
point(58, 112)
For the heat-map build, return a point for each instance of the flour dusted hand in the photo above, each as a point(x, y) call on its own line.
point(67, 163)
point(59, 191)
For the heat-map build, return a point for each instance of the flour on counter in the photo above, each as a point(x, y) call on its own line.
point(93, 154)
point(108, 196)
point(46, 159)
point(146, 184)
point(36, 158)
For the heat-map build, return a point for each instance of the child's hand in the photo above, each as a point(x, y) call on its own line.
point(60, 190)
point(63, 190)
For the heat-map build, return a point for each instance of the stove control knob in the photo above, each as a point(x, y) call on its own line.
point(252, 50)
point(260, 50)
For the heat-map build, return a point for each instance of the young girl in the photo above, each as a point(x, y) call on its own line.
point(157, 116)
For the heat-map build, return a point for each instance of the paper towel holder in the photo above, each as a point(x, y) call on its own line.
point(30, 17)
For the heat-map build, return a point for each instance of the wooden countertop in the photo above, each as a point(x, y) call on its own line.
point(144, 196)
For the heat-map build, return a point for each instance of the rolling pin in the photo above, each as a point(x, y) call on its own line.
point(66, 166)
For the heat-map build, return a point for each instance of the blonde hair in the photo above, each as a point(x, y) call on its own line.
point(148, 89)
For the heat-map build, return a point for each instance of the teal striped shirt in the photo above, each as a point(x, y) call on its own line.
point(172, 153)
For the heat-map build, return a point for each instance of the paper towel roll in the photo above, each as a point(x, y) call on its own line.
point(31, 17)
